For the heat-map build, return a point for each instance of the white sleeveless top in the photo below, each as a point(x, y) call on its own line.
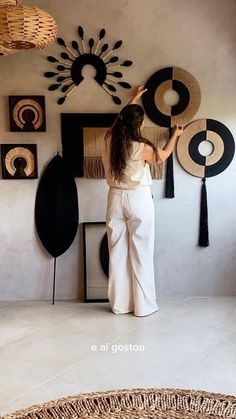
point(137, 172)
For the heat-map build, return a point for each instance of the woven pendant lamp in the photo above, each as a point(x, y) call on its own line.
point(5, 51)
point(25, 27)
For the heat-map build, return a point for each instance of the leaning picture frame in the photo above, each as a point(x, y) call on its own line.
point(96, 261)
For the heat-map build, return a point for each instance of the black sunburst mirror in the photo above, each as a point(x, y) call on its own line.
point(99, 55)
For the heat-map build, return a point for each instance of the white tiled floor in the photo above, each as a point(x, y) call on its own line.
point(45, 350)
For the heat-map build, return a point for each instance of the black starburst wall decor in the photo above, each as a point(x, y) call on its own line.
point(98, 54)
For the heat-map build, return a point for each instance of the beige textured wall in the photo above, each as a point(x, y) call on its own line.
point(197, 35)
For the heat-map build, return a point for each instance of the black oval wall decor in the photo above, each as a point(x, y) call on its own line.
point(56, 207)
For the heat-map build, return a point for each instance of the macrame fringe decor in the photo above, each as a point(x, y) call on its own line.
point(93, 168)
point(203, 231)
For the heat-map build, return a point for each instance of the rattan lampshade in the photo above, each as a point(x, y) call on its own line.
point(5, 51)
point(25, 27)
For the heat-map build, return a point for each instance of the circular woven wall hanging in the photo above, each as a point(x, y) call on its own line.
point(182, 82)
point(204, 166)
point(159, 111)
point(188, 148)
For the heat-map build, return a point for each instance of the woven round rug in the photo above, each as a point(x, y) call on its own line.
point(136, 404)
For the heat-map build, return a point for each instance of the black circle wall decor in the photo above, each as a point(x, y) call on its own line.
point(104, 255)
point(69, 72)
point(188, 148)
point(179, 80)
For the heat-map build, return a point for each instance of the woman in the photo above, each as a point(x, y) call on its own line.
point(130, 210)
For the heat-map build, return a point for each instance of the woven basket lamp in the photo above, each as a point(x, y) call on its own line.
point(25, 27)
point(5, 51)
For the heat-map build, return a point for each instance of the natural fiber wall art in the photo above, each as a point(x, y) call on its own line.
point(68, 72)
point(202, 166)
point(19, 161)
point(187, 87)
point(82, 141)
point(27, 113)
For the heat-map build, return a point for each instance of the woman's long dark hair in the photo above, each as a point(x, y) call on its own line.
point(124, 131)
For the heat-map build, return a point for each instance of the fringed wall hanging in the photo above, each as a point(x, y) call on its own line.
point(19, 161)
point(56, 209)
point(72, 136)
point(196, 164)
point(187, 87)
point(68, 72)
point(27, 113)
point(82, 141)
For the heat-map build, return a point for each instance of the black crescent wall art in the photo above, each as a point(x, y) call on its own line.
point(179, 80)
point(104, 255)
point(68, 72)
point(56, 207)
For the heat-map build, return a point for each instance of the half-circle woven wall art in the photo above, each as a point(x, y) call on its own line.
point(202, 166)
point(187, 87)
point(27, 113)
point(96, 53)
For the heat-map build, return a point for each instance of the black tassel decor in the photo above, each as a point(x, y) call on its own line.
point(169, 185)
point(203, 231)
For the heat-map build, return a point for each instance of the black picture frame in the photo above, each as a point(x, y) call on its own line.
point(27, 113)
point(25, 154)
point(92, 262)
point(72, 125)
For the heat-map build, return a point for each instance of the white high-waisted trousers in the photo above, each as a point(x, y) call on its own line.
point(130, 230)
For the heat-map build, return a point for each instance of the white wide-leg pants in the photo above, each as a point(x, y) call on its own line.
point(130, 230)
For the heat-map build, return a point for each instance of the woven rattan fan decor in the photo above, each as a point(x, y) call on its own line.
point(24, 27)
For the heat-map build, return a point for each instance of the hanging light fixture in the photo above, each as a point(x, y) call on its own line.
point(5, 51)
point(24, 27)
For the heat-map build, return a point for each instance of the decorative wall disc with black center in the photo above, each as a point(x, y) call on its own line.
point(68, 73)
point(197, 164)
point(179, 80)
point(188, 90)
point(188, 148)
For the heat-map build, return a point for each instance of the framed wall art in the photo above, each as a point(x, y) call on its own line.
point(82, 140)
point(19, 161)
point(96, 261)
point(27, 113)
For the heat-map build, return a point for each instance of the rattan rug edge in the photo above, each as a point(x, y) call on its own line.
point(168, 399)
